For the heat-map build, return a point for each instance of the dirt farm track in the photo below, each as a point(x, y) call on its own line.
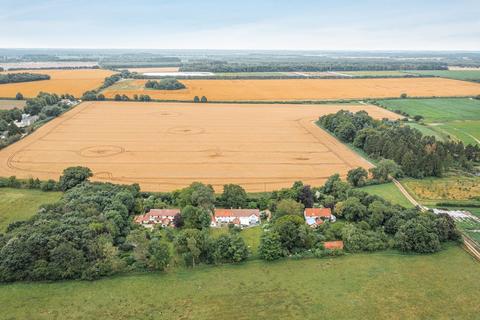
point(165, 146)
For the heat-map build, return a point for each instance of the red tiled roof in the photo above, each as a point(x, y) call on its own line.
point(236, 212)
point(163, 212)
point(140, 219)
point(333, 245)
point(318, 212)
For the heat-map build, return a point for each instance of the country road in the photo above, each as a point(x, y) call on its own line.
point(408, 196)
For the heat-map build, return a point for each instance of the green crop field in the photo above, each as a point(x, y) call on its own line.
point(452, 74)
point(458, 118)
point(386, 73)
point(467, 131)
point(21, 204)
point(362, 286)
point(437, 110)
point(389, 192)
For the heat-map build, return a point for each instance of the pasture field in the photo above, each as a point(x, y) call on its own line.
point(21, 204)
point(166, 146)
point(12, 104)
point(74, 82)
point(453, 188)
point(451, 74)
point(458, 118)
point(389, 192)
point(300, 89)
point(430, 131)
point(384, 285)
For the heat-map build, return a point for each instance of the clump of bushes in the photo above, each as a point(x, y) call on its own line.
point(165, 84)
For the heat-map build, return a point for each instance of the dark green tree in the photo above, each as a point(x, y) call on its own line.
point(159, 255)
point(196, 217)
point(73, 176)
point(270, 246)
point(357, 177)
point(233, 196)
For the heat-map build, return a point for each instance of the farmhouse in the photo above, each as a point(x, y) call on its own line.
point(157, 216)
point(239, 217)
point(27, 120)
point(316, 216)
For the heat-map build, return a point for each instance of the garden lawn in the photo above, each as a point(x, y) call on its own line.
point(21, 204)
point(389, 192)
point(361, 286)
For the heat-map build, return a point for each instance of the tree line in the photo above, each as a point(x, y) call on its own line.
point(417, 155)
point(339, 65)
point(22, 77)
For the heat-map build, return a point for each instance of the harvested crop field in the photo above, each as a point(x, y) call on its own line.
point(12, 104)
point(74, 82)
point(165, 146)
point(300, 89)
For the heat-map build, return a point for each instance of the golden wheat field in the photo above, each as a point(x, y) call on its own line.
point(154, 69)
point(300, 89)
point(165, 146)
point(75, 81)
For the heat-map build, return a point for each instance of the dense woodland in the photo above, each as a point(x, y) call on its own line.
point(418, 156)
point(22, 77)
point(90, 232)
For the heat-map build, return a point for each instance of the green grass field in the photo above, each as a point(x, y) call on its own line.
point(389, 192)
point(361, 286)
point(458, 118)
point(467, 131)
point(427, 130)
point(452, 74)
point(21, 204)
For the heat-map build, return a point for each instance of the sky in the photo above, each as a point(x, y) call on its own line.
point(245, 24)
